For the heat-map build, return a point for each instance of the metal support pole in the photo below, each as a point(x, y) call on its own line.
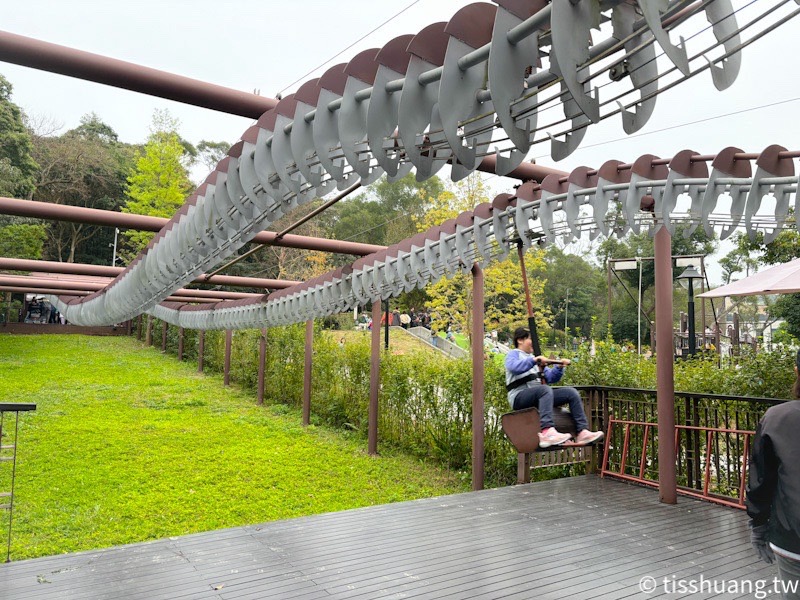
point(537, 347)
point(148, 339)
point(477, 378)
point(180, 343)
point(386, 326)
point(307, 372)
point(374, 380)
point(262, 360)
point(114, 256)
point(703, 301)
point(692, 334)
point(71, 62)
point(164, 336)
point(226, 369)
point(665, 384)
point(608, 287)
point(201, 347)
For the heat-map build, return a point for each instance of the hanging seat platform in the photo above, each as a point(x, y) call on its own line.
point(522, 428)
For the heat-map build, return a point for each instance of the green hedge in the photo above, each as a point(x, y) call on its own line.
point(426, 399)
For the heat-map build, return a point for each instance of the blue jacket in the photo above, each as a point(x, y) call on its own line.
point(520, 364)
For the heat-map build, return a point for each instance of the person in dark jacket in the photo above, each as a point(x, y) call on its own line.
point(773, 490)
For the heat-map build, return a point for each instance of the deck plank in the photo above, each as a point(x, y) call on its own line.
point(585, 538)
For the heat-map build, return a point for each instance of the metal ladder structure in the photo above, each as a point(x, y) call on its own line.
point(8, 456)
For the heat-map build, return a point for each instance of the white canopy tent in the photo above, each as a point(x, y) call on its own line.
point(780, 279)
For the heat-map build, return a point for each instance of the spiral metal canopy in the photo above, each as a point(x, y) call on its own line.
point(494, 80)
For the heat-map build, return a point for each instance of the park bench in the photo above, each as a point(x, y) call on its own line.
point(522, 429)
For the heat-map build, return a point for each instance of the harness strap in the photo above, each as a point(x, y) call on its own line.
point(521, 381)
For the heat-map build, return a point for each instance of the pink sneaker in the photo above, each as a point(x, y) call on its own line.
point(586, 437)
point(551, 437)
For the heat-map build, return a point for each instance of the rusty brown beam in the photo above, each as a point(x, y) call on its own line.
point(525, 172)
point(45, 266)
point(110, 218)
point(36, 54)
point(90, 286)
point(38, 291)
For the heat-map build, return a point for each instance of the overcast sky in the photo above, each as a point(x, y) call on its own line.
point(266, 45)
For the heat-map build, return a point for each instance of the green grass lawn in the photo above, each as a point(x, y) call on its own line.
point(129, 445)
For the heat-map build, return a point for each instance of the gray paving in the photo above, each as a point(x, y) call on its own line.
point(577, 538)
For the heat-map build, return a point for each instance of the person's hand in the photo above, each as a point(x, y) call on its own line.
point(758, 538)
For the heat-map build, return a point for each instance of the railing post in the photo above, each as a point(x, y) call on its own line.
point(226, 369)
point(148, 339)
point(667, 478)
point(201, 347)
point(164, 326)
point(180, 343)
point(374, 379)
point(477, 379)
point(307, 372)
point(262, 359)
point(8, 454)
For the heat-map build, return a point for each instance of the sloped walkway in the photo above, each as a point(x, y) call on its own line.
point(576, 538)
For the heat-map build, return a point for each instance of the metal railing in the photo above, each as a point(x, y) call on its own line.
point(449, 348)
point(9, 437)
point(712, 439)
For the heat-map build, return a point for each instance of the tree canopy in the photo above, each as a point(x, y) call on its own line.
point(159, 182)
point(17, 166)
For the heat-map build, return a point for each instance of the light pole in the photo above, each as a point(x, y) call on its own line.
point(688, 276)
point(114, 255)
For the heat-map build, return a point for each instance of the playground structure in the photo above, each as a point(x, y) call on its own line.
point(497, 69)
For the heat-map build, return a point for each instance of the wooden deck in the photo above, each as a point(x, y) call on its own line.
point(576, 538)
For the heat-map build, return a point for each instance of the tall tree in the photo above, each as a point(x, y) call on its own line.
point(19, 238)
point(17, 166)
point(450, 300)
point(574, 290)
point(86, 167)
point(385, 213)
point(210, 153)
point(159, 181)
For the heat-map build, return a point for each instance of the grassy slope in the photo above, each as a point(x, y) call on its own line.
point(128, 445)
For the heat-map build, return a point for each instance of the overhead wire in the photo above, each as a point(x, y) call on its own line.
point(362, 38)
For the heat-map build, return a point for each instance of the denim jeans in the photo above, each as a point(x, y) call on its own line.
point(544, 398)
point(789, 570)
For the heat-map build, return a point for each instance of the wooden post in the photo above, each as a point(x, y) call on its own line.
point(262, 359)
point(139, 328)
point(374, 379)
point(149, 335)
point(477, 379)
point(307, 372)
point(665, 382)
point(180, 343)
point(201, 346)
point(226, 372)
point(164, 336)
